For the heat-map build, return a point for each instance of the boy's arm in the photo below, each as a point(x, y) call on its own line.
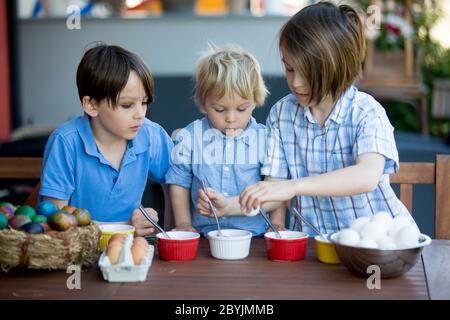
point(179, 197)
point(168, 211)
point(362, 177)
point(278, 218)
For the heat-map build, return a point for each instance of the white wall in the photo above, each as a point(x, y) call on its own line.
point(50, 53)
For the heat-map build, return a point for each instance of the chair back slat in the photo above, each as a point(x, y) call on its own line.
point(20, 168)
point(443, 197)
point(406, 195)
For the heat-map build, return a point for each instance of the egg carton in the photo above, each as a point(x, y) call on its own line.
point(125, 270)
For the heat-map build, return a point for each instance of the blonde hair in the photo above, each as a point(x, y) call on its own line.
point(327, 45)
point(227, 70)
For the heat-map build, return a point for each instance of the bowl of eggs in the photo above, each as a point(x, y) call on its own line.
point(290, 247)
point(392, 244)
point(180, 246)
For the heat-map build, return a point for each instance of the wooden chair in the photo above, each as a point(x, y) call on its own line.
point(396, 75)
point(437, 173)
point(440, 109)
point(23, 168)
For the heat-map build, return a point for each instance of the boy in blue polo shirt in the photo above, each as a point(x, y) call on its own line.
point(224, 149)
point(101, 160)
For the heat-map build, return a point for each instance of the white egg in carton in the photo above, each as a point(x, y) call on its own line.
point(381, 232)
point(125, 270)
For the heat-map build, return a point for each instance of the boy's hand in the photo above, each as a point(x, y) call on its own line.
point(142, 225)
point(265, 191)
point(218, 200)
point(184, 227)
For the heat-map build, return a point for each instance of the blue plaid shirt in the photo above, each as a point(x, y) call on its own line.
point(226, 164)
point(297, 146)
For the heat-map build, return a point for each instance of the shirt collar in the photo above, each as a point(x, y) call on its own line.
point(139, 144)
point(244, 136)
point(340, 109)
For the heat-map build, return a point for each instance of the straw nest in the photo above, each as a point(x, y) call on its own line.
point(52, 250)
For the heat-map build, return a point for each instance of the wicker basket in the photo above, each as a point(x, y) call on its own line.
point(52, 250)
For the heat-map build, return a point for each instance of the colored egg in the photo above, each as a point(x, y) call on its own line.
point(3, 221)
point(83, 216)
point(45, 226)
point(46, 208)
point(25, 211)
point(39, 218)
point(33, 228)
point(7, 209)
point(69, 209)
point(60, 220)
point(17, 222)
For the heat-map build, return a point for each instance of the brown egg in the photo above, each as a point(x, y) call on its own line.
point(113, 251)
point(117, 237)
point(138, 253)
point(140, 241)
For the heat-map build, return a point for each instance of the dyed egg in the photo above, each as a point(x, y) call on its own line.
point(138, 252)
point(33, 228)
point(25, 211)
point(3, 221)
point(46, 208)
point(17, 222)
point(367, 243)
point(60, 220)
point(73, 220)
point(383, 218)
point(45, 226)
point(358, 223)
point(373, 230)
point(39, 218)
point(348, 237)
point(7, 209)
point(113, 252)
point(69, 209)
point(83, 216)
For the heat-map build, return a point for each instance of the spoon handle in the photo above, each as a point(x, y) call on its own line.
point(211, 206)
point(299, 216)
point(265, 216)
point(147, 216)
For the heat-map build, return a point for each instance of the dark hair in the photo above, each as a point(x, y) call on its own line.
point(327, 45)
point(104, 70)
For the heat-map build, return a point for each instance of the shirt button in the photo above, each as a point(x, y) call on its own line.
point(115, 180)
point(226, 169)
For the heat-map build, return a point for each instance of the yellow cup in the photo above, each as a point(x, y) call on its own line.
point(326, 251)
point(109, 229)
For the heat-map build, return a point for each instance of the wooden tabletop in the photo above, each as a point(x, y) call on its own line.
point(253, 278)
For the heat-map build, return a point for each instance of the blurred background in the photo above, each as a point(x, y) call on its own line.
point(41, 43)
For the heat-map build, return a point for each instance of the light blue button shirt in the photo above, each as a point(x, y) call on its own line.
point(227, 165)
point(74, 169)
point(297, 146)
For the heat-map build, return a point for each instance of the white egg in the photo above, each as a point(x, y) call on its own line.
point(384, 218)
point(387, 243)
point(358, 223)
point(252, 213)
point(348, 237)
point(367, 243)
point(408, 236)
point(398, 223)
point(373, 230)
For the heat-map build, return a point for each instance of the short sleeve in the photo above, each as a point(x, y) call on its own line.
point(180, 170)
point(58, 173)
point(375, 134)
point(274, 164)
point(159, 162)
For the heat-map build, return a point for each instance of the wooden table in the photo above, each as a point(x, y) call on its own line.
point(251, 278)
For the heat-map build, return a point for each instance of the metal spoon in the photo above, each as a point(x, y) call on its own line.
point(213, 209)
point(149, 218)
point(302, 218)
point(265, 216)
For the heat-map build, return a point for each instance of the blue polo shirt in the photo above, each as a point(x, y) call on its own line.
point(74, 169)
point(226, 164)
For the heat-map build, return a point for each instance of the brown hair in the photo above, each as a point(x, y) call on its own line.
point(327, 45)
point(104, 70)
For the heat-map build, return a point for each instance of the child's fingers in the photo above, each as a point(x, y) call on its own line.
point(142, 232)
